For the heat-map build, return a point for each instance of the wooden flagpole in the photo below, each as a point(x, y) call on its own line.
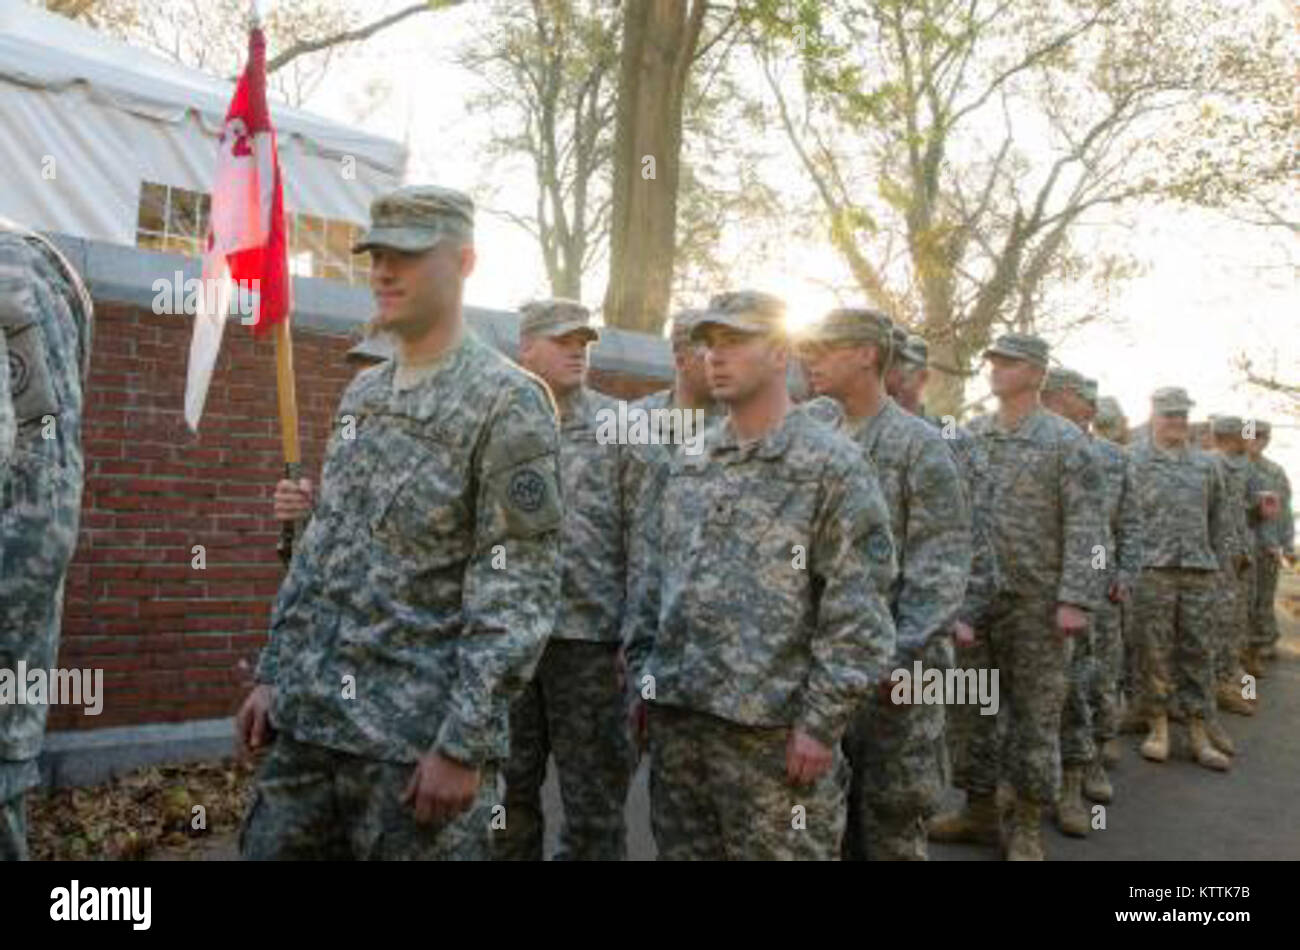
point(286, 392)
point(288, 399)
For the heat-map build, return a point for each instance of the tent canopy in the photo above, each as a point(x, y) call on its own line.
point(86, 119)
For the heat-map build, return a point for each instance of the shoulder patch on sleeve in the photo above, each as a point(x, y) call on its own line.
point(527, 489)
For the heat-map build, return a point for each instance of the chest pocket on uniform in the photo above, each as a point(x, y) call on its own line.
point(30, 380)
point(419, 508)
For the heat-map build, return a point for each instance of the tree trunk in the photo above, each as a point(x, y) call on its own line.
point(659, 39)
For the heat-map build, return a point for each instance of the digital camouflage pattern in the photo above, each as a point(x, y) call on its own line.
point(303, 790)
point(573, 707)
point(1273, 537)
point(896, 778)
point(1124, 534)
point(1187, 533)
point(429, 571)
point(572, 710)
point(769, 567)
point(719, 792)
point(593, 550)
point(767, 602)
point(46, 323)
point(1238, 575)
point(1091, 712)
point(1044, 511)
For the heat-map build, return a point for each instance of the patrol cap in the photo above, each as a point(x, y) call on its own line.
point(1020, 346)
point(852, 325)
point(1171, 401)
point(915, 351)
point(1058, 378)
point(749, 311)
point(1226, 425)
point(683, 320)
point(1109, 411)
point(1086, 389)
point(416, 218)
point(554, 317)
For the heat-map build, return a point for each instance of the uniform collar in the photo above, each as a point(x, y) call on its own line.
point(773, 445)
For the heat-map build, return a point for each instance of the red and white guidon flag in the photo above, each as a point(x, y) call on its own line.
point(246, 240)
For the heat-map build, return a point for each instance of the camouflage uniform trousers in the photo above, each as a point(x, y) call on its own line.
point(1263, 619)
point(1238, 588)
point(1108, 658)
point(15, 779)
point(31, 637)
point(1021, 744)
point(719, 792)
point(1077, 748)
point(1091, 713)
point(899, 770)
point(317, 804)
point(1131, 653)
point(1175, 614)
point(574, 709)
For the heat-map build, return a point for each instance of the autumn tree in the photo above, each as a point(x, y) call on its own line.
point(660, 43)
point(306, 38)
point(551, 74)
point(955, 145)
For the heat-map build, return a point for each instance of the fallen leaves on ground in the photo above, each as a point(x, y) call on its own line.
point(131, 816)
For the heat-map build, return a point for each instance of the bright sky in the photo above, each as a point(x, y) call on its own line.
point(1213, 290)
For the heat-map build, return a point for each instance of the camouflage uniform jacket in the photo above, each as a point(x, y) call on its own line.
point(1276, 532)
point(1123, 523)
point(929, 519)
point(770, 569)
point(46, 322)
point(1184, 508)
point(1044, 506)
point(430, 570)
point(1239, 483)
point(597, 508)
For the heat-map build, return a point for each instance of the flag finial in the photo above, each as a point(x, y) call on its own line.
point(254, 14)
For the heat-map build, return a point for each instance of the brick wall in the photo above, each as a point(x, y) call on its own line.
point(177, 643)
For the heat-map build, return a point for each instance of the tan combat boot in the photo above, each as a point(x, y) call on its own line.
point(1156, 745)
point(1096, 783)
point(1110, 753)
point(1071, 813)
point(1219, 737)
point(1229, 697)
point(1253, 663)
point(1205, 754)
point(976, 823)
point(1026, 840)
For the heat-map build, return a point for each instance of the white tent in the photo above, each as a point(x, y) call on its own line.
point(86, 120)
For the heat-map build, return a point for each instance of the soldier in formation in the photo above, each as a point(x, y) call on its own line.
point(1045, 510)
point(1187, 539)
point(46, 321)
point(572, 708)
point(894, 748)
point(765, 621)
point(424, 588)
